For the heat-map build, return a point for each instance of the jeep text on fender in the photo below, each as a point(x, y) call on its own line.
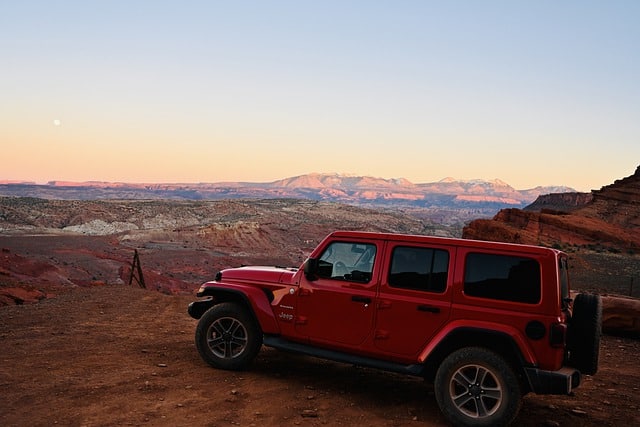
point(486, 322)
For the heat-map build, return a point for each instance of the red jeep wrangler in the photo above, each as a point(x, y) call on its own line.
point(485, 322)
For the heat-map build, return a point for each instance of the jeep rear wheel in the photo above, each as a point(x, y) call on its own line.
point(228, 337)
point(585, 329)
point(477, 387)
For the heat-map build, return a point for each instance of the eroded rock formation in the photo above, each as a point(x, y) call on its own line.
point(609, 217)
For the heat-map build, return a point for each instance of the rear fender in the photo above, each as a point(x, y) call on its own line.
point(482, 328)
point(253, 298)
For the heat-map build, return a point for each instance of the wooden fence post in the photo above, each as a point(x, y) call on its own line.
point(136, 267)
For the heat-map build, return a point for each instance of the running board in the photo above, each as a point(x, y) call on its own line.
point(337, 356)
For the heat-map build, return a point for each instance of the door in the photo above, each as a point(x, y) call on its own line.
point(414, 300)
point(338, 306)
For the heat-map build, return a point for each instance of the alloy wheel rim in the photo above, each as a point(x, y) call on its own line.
point(227, 338)
point(475, 391)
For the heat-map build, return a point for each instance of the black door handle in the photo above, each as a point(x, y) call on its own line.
point(428, 308)
point(357, 298)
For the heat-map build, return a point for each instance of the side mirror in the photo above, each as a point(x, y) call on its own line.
point(310, 268)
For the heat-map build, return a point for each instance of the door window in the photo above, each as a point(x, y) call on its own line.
point(347, 261)
point(422, 269)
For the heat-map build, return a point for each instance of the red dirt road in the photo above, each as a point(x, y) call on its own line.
point(116, 355)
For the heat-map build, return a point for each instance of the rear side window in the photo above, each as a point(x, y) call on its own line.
point(422, 269)
point(564, 281)
point(502, 277)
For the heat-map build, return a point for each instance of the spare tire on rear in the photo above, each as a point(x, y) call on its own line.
point(585, 329)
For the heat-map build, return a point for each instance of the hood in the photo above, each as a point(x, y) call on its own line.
point(261, 274)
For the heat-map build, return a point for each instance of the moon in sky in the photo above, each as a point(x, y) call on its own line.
point(57, 122)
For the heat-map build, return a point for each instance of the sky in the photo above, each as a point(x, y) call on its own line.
point(539, 92)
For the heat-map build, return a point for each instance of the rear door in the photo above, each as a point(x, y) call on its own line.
point(415, 297)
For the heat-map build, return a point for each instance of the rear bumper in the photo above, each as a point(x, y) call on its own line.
point(562, 381)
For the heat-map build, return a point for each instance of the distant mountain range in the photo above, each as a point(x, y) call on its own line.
point(448, 193)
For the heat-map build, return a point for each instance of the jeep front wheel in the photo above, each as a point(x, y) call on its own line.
point(477, 387)
point(228, 337)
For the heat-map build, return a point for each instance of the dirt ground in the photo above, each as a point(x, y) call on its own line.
point(117, 355)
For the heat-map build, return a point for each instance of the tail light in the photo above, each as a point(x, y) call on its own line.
point(558, 335)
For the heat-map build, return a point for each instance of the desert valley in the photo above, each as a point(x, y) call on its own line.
point(83, 234)
point(81, 346)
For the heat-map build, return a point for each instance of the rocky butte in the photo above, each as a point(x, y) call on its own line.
point(607, 218)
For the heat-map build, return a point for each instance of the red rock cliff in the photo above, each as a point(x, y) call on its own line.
point(609, 216)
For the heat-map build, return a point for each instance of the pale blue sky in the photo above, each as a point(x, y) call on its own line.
point(531, 92)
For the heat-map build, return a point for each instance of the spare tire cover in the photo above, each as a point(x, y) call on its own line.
point(585, 329)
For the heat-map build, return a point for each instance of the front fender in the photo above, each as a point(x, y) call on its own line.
point(253, 298)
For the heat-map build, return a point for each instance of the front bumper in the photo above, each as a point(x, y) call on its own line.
point(562, 381)
point(197, 308)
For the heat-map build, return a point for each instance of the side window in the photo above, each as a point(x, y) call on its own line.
point(502, 277)
point(422, 269)
point(347, 261)
point(564, 280)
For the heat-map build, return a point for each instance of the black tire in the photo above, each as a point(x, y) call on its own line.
point(228, 337)
point(585, 330)
point(477, 387)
